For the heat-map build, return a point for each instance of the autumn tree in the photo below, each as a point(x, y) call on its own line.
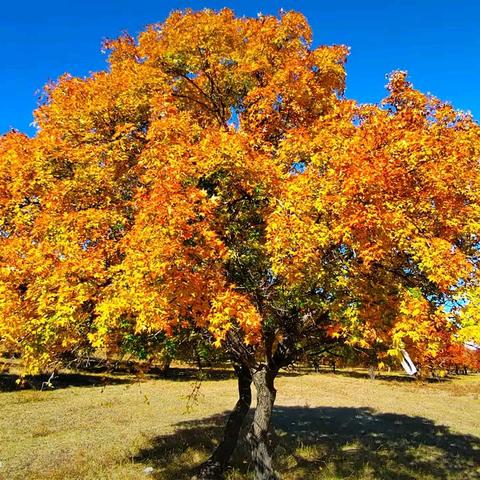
point(215, 179)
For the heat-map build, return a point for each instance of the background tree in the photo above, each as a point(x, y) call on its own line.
point(215, 179)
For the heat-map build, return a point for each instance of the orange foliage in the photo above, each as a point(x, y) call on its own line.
point(214, 177)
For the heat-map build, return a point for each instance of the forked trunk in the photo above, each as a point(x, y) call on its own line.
point(260, 439)
point(215, 466)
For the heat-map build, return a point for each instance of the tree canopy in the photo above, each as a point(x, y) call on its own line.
point(216, 178)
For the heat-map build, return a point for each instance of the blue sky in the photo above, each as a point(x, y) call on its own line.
point(438, 42)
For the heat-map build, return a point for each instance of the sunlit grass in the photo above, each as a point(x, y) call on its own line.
point(327, 426)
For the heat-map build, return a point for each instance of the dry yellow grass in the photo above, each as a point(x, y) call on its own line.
point(328, 427)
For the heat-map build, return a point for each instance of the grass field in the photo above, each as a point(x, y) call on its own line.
point(329, 426)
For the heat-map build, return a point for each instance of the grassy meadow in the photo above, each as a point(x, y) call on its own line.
point(328, 426)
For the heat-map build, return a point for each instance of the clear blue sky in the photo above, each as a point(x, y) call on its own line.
point(437, 41)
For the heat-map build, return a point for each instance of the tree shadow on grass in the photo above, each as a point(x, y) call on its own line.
point(130, 367)
point(98, 373)
point(329, 443)
point(391, 377)
point(99, 377)
point(10, 382)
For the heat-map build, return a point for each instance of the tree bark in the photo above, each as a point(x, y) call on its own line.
point(259, 437)
point(215, 466)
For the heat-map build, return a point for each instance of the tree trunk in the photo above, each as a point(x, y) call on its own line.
point(259, 437)
point(215, 466)
point(165, 365)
